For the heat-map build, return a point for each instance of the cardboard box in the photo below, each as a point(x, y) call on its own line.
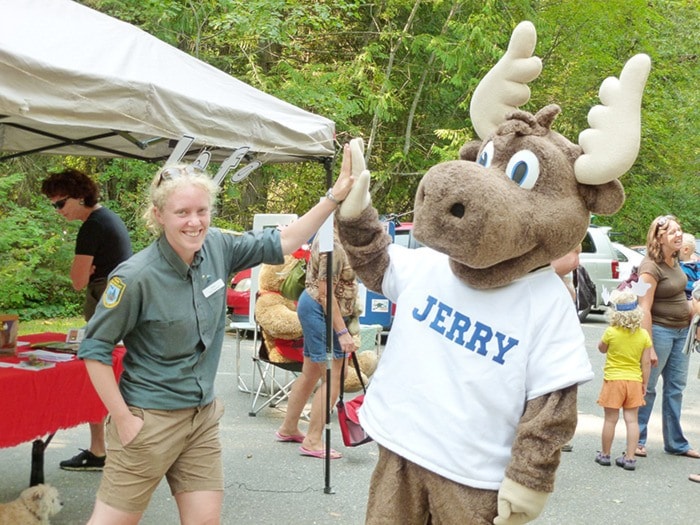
point(8, 334)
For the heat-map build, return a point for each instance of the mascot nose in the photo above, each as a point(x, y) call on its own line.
point(457, 210)
point(456, 189)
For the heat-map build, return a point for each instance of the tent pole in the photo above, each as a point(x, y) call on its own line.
point(328, 166)
point(329, 365)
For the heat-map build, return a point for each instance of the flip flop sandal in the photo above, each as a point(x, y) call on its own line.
point(640, 451)
point(297, 438)
point(320, 454)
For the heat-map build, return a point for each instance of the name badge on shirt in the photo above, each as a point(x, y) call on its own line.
point(213, 287)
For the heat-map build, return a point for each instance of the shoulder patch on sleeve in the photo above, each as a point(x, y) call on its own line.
point(113, 293)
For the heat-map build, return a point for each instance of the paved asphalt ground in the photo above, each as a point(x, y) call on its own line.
point(269, 483)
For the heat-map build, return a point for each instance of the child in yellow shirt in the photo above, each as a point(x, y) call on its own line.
point(627, 366)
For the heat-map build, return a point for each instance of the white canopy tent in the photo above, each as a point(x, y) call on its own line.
point(75, 81)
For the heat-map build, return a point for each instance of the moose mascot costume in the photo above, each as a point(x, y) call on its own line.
point(485, 332)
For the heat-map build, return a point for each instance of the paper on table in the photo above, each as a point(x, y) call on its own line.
point(26, 365)
point(45, 355)
point(41, 365)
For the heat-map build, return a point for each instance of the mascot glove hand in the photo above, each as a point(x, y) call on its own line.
point(518, 504)
point(359, 198)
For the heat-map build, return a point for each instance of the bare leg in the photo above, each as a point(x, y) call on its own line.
point(97, 438)
point(632, 424)
point(611, 416)
point(314, 436)
point(202, 507)
point(301, 391)
point(103, 514)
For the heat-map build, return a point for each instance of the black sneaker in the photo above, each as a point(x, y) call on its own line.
point(85, 461)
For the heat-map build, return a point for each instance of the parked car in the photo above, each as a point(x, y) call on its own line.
point(628, 258)
point(403, 235)
point(599, 258)
point(238, 297)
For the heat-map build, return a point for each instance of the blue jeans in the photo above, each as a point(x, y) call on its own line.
point(673, 368)
point(313, 325)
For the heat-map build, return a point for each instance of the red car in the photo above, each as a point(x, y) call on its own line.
point(403, 235)
point(238, 296)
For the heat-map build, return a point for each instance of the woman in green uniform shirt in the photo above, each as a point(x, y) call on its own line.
point(168, 304)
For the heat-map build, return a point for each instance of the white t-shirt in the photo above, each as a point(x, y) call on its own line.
point(460, 364)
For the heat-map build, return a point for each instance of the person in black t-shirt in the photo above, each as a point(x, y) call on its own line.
point(102, 243)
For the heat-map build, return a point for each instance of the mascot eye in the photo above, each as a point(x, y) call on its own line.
point(486, 156)
point(524, 169)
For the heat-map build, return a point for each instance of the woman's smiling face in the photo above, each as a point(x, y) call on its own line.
point(185, 219)
point(672, 237)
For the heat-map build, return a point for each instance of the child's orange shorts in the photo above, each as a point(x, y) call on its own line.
point(621, 394)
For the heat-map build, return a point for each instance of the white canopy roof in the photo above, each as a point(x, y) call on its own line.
point(75, 81)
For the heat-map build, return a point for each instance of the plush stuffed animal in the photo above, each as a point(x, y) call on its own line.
point(277, 315)
point(281, 329)
point(476, 390)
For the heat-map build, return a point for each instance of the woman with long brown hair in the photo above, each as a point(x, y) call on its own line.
point(666, 318)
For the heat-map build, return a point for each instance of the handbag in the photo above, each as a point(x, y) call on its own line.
point(295, 282)
point(348, 417)
point(586, 295)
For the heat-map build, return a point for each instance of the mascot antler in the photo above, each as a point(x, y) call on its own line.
point(504, 88)
point(611, 144)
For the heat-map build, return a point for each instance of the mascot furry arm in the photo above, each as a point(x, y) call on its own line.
point(516, 200)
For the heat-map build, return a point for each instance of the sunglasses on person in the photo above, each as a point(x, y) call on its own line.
point(663, 221)
point(59, 204)
point(176, 172)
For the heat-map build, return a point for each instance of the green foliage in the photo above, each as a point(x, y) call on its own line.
point(33, 253)
point(124, 184)
point(59, 325)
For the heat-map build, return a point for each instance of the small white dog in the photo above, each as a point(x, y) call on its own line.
point(34, 506)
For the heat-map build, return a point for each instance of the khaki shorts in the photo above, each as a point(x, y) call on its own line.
point(182, 445)
point(621, 394)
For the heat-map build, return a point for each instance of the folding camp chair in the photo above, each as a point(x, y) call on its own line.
point(260, 221)
point(240, 330)
point(270, 385)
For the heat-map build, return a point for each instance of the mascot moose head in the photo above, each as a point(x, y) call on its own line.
point(485, 332)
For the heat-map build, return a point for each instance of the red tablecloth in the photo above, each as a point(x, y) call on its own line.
point(38, 403)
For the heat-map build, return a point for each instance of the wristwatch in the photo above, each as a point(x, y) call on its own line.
point(331, 197)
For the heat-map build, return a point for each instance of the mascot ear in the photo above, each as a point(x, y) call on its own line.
point(470, 150)
point(603, 199)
